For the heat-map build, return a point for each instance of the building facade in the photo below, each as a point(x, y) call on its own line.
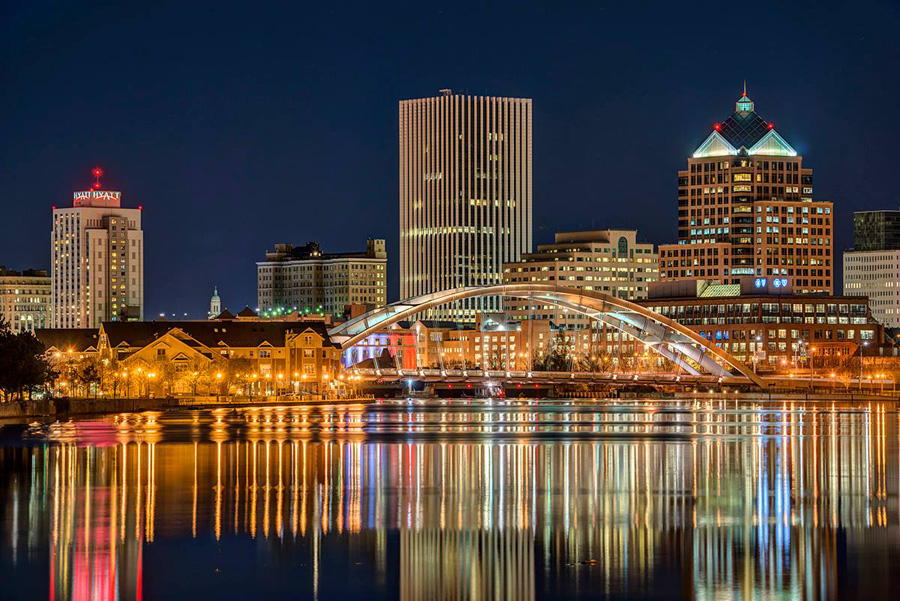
point(762, 320)
point(306, 280)
point(25, 299)
point(872, 268)
point(232, 355)
point(875, 275)
point(746, 208)
point(876, 230)
point(610, 261)
point(465, 195)
point(97, 264)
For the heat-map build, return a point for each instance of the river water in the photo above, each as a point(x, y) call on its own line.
point(461, 500)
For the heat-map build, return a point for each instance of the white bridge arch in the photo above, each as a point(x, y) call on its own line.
point(675, 342)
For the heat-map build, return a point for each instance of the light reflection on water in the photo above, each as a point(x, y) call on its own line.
point(506, 501)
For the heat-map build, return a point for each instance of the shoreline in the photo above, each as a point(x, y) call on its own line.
point(57, 409)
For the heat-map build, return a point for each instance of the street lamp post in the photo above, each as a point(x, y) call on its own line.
point(862, 349)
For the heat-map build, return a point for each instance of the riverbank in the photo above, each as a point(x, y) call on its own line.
point(59, 408)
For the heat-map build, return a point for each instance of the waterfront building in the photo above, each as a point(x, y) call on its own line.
point(266, 356)
point(97, 266)
point(25, 299)
point(746, 208)
point(306, 280)
point(762, 319)
point(872, 268)
point(465, 195)
point(215, 304)
point(609, 261)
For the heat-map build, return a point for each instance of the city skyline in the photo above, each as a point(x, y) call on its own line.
point(640, 124)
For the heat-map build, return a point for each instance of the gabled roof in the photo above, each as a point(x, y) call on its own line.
point(715, 146)
point(210, 333)
point(226, 314)
point(772, 144)
point(247, 312)
point(79, 340)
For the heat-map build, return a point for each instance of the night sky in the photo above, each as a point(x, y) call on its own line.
point(240, 125)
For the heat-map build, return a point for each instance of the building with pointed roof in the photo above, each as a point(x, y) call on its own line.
point(746, 208)
point(215, 304)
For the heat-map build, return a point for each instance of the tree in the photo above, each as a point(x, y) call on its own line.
point(23, 366)
point(88, 372)
point(557, 358)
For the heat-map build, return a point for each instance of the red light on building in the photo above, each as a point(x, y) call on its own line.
point(717, 127)
point(97, 173)
point(140, 207)
point(53, 207)
point(771, 126)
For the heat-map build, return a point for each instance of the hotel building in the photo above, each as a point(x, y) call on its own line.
point(872, 268)
point(97, 267)
point(610, 261)
point(465, 195)
point(25, 299)
point(306, 280)
point(746, 208)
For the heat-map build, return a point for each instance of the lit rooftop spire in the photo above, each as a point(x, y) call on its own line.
point(744, 105)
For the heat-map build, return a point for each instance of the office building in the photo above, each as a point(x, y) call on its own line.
point(761, 319)
point(97, 266)
point(609, 261)
point(306, 280)
point(25, 299)
point(465, 195)
point(876, 230)
point(872, 268)
point(746, 208)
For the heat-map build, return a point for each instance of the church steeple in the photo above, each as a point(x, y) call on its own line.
point(215, 304)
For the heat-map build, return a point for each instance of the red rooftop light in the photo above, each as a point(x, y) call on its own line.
point(771, 126)
point(140, 207)
point(53, 207)
point(98, 171)
point(717, 127)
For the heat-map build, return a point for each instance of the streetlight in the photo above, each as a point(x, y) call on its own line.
point(862, 349)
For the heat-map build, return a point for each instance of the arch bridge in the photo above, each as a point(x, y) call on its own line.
point(677, 343)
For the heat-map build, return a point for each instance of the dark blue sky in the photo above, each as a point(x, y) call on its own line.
point(240, 125)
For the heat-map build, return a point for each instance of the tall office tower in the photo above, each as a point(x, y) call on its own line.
point(97, 267)
point(465, 195)
point(305, 279)
point(745, 207)
point(872, 268)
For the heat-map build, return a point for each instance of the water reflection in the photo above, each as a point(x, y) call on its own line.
point(517, 501)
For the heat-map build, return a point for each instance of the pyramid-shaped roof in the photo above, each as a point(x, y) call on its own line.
point(744, 132)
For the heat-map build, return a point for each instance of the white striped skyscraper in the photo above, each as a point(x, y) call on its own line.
point(465, 195)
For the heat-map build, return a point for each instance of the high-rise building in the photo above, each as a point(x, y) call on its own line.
point(872, 268)
point(610, 261)
point(97, 267)
point(746, 208)
point(306, 280)
point(465, 195)
point(876, 230)
point(25, 299)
